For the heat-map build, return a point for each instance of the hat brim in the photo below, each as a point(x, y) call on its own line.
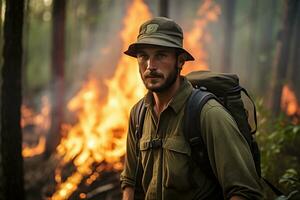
point(132, 49)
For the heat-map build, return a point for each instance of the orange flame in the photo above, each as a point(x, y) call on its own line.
point(194, 39)
point(41, 124)
point(100, 134)
point(289, 102)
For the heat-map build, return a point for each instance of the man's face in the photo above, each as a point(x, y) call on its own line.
point(158, 67)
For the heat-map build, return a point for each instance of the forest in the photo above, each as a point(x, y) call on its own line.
point(67, 88)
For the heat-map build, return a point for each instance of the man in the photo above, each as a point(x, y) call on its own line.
point(167, 171)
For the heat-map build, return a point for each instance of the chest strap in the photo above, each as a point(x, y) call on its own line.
point(152, 144)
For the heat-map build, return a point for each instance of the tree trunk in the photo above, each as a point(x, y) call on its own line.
point(1, 163)
point(282, 55)
point(265, 48)
point(164, 8)
point(58, 60)
point(25, 46)
point(74, 44)
point(1, 34)
point(251, 56)
point(11, 99)
point(229, 13)
point(93, 10)
point(294, 74)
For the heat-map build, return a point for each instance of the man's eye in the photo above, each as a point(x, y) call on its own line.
point(160, 56)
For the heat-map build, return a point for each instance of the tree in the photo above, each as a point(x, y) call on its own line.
point(164, 8)
point(251, 57)
point(294, 72)
point(93, 10)
point(26, 27)
point(265, 46)
point(11, 134)
point(89, 35)
point(282, 55)
point(58, 75)
point(1, 36)
point(1, 169)
point(229, 13)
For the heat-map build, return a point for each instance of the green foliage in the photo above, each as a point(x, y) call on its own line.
point(279, 142)
point(290, 178)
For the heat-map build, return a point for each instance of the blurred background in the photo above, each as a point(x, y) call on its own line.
point(67, 87)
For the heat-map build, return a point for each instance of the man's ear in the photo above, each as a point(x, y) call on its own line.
point(181, 60)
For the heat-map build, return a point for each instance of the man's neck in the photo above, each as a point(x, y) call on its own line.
point(162, 99)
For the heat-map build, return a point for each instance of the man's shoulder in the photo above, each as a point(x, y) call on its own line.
point(212, 103)
point(137, 107)
point(213, 108)
point(140, 102)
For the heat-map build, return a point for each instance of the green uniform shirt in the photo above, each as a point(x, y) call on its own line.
point(169, 172)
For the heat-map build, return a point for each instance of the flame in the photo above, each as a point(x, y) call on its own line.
point(100, 134)
point(41, 124)
point(37, 150)
point(197, 36)
point(289, 102)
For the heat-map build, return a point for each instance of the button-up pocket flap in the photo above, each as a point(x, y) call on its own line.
point(178, 145)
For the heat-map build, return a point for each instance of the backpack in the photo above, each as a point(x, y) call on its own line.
point(224, 88)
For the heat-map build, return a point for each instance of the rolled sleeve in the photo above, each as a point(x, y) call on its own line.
point(126, 182)
point(229, 153)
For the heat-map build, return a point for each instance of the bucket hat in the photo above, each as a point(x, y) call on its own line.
point(159, 31)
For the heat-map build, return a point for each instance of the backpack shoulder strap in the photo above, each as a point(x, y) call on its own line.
point(139, 116)
point(192, 129)
point(195, 103)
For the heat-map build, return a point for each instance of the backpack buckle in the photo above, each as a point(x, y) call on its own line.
point(155, 143)
point(195, 141)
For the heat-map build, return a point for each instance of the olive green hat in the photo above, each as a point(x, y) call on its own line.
point(159, 31)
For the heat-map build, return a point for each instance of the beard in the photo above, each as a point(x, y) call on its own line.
point(168, 80)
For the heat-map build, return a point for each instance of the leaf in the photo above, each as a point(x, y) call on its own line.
point(296, 129)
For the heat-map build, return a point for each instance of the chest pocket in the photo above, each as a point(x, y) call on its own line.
point(178, 145)
point(177, 160)
point(146, 147)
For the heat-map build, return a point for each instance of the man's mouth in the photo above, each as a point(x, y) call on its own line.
point(153, 75)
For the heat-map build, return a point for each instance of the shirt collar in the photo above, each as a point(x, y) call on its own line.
point(178, 100)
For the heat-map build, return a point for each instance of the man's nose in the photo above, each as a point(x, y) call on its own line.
point(151, 64)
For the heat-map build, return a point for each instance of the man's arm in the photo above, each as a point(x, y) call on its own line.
point(229, 154)
point(128, 193)
point(128, 176)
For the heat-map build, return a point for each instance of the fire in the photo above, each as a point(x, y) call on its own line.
point(99, 136)
point(40, 124)
point(289, 102)
point(195, 38)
